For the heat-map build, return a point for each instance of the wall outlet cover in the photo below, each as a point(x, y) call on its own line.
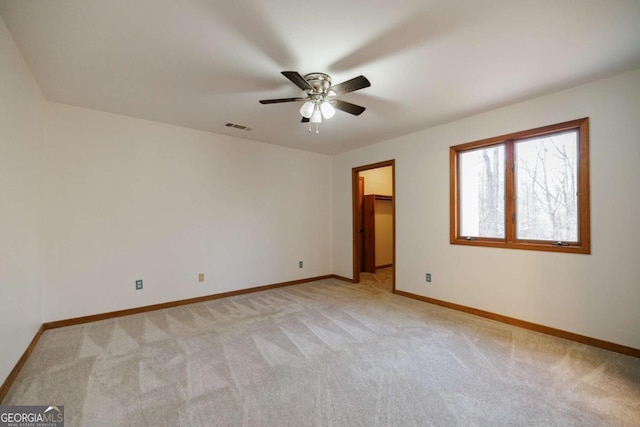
point(138, 284)
point(201, 277)
point(428, 277)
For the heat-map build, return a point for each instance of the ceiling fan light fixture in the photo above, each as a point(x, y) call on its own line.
point(307, 109)
point(318, 88)
point(327, 110)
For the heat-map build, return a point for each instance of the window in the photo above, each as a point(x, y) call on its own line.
point(527, 190)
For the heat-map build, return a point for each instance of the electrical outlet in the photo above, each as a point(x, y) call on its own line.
point(201, 277)
point(300, 264)
point(428, 277)
point(138, 284)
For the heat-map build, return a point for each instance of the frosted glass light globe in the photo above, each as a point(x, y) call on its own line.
point(307, 109)
point(327, 110)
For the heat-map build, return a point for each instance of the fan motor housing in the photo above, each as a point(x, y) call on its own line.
point(320, 82)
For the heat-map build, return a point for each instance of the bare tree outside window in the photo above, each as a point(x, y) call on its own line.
point(546, 171)
point(482, 192)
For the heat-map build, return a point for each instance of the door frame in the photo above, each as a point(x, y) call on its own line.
point(357, 249)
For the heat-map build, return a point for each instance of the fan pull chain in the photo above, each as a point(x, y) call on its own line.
point(317, 131)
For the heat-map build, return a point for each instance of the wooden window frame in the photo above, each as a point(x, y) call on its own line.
point(583, 246)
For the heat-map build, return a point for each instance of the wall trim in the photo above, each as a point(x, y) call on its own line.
point(594, 342)
point(6, 385)
point(344, 279)
point(143, 309)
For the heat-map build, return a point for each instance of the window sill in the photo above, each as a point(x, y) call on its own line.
point(530, 246)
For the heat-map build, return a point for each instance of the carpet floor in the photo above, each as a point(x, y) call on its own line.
point(319, 354)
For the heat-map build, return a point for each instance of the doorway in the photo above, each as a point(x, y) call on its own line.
point(374, 213)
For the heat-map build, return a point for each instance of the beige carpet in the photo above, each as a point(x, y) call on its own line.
point(324, 353)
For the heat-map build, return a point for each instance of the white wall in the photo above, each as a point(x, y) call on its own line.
point(20, 204)
point(597, 295)
point(129, 199)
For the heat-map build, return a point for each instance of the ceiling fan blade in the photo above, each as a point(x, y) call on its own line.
point(297, 80)
point(304, 120)
point(354, 84)
point(276, 101)
point(348, 107)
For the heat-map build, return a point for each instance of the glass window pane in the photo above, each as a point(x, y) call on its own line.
point(481, 177)
point(546, 187)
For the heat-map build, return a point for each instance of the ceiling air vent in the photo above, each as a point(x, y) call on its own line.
point(237, 126)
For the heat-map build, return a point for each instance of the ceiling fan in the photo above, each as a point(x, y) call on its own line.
point(320, 102)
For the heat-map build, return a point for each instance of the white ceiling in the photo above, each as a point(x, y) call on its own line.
point(201, 64)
